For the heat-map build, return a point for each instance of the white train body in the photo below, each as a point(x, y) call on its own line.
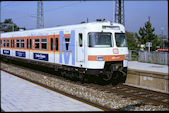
point(87, 46)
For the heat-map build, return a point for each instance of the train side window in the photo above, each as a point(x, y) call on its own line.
point(56, 43)
point(22, 43)
point(0, 43)
point(80, 40)
point(7, 44)
point(13, 42)
point(17, 43)
point(37, 43)
point(67, 41)
point(44, 43)
point(27, 43)
point(51, 43)
point(12, 45)
point(4, 43)
point(30, 41)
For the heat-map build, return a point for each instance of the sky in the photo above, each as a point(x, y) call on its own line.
point(23, 13)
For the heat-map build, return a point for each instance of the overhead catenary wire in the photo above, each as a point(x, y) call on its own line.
point(11, 3)
point(48, 10)
point(54, 9)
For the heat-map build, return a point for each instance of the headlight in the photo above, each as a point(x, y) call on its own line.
point(100, 58)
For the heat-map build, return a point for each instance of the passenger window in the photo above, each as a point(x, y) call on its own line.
point(56, 43)
point(17, 43)
point(51, 43)
point(4, 43)
point(7, 44)
point(22, 43)
point(0, 43)
point(37, 43)
point(67, 41)
point(27, 43)
point(80, 39)
point(30, 41)
point(13, 43)
point(44, 43)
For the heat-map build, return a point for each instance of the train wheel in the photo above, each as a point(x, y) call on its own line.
point(74, 76)
point(117, 78)
point(83, 77)
point(107, 78)
point(124, 72)
point(63, 73)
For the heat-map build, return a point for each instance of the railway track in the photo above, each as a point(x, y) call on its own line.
point(147, 96)
point(122, 90)
point(150, 96)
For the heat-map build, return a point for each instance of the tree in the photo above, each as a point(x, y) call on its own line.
point(8, 26)
point(131, 40)
point(147, 35)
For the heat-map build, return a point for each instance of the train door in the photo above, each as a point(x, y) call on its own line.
point(54, 48)
point(29, 46)
point(80, 48)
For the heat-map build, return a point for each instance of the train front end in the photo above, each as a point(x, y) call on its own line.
point(108, 52)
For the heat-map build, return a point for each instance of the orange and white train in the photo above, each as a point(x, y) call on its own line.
point(96, 48)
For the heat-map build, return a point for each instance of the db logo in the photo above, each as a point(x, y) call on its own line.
point(115, 51)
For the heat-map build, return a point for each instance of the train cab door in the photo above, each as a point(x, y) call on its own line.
point(80, 48)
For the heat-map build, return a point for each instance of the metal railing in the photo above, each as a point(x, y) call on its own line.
point(149, 57)
point(133, 55)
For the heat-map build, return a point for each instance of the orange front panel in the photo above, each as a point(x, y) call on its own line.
point(107, 57)
point(92, 58)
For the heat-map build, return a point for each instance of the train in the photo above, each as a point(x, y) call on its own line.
point(81, 50)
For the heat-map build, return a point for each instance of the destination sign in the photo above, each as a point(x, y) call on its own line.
point(20, 53)
point(40, 56)
point(6, 52)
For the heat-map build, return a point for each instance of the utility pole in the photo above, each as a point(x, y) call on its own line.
point(162, 37)
point(40, 16)
point(119, 12)
point(149, 18)
point(0, 11)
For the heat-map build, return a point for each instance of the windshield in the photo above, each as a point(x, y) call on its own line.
point(100, 40)
point(121, 40)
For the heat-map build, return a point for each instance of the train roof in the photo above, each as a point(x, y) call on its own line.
point(38, 32)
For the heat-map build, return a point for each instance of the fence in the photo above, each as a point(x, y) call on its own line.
point(133, 55)
point(149, 57)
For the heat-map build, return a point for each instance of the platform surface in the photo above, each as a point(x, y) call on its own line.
point(21, 95)
point(147, 67)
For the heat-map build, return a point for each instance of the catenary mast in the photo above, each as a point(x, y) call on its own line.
point(119, 12)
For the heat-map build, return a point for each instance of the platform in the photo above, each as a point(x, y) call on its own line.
point(148, 67)
point(147, 75)
point(20, 95)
